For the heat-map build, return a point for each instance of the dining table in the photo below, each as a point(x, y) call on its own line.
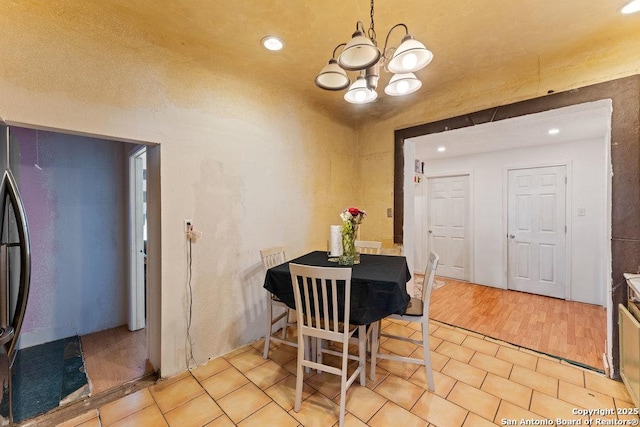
point(378, 284)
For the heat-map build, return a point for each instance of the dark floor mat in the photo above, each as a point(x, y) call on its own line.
point(44, 376)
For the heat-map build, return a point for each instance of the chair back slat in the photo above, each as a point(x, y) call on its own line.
point(273, 256)
point(320, 288)
point(369, 247)
point(429, 276)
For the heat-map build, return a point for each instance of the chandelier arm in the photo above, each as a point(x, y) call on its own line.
point(386, 41)
point(335, 50)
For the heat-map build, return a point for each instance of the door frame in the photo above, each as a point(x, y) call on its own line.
point(470, 215)
point(136, 313)
point(567, 216)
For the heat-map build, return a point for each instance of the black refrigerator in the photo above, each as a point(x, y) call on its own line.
point(15, 256)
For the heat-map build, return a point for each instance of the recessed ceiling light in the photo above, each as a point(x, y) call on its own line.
point(272, 43)
point(631, 7)
point(553, 131)
point(442, 149)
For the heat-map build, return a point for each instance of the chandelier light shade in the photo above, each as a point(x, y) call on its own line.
point(332, 77)
point(359, 53)
point(359, 93)
point(409, 57)
point(402, 84)
point(362, 54)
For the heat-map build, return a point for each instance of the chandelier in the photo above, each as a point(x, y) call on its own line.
point(362, 54)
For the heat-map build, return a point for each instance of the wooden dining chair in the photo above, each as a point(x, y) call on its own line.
point(418, 312)
point(368, 247)
point(270, 258)
point(322, 309)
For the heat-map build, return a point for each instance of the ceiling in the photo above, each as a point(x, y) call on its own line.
point(505, 39)
point(579, 122)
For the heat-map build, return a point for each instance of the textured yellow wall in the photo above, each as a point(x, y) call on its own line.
point(253, 166)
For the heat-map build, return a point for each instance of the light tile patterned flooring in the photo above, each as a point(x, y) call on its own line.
point(479, 382)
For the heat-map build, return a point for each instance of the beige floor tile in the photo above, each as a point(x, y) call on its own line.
point(401, 348)
point(443, 383)
point(351, 420)
point(626, 410)
point(127, 405)
point(507, 390)
point(393, 415)
point(282, 354)
point(243, 402)
point(535, 380)
point(176, 394)
point(474, 420)
point(465, 373)
point(246, 360)
point(450, 335)
point(270, 415)
point(540, 355)
point(223, 383)
point(194, 413)
point(147, 417)
point(222, 421)
point(325, 383)
point(602, 384)
point(550, 407)
point(481, 345)
point(562, 372)
point(491, 364)
point(434, 342)
point(80, 419)
point(362, 402)
point(469, 333)
point(166, 382)
point(455, 351)
point(398, 330)
point(212, 367)
point(399, 391)
point(475, 400)
point(438, 361)
point(439, 411)
point(284, 392)
point(400, 369)
point(516, 357)
point(317, 411)
point(238, 351)
point(510, 414)
point(267, 374)
point(583, 397)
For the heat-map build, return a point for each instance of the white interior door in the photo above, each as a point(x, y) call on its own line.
point(137, 238)
point(448, 213)
point(536, 225)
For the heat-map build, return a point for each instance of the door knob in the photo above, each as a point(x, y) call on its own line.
point(512, 236)
point(430, 231)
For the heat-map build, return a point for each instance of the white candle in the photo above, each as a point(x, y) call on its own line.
point(335, 241)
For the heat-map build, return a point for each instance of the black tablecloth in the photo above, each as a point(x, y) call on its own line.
point(378, 284)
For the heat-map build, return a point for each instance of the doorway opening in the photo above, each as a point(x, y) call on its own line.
point(76, 191)
point(490, 150)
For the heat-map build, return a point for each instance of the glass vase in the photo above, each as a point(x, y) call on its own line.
point(349, 254)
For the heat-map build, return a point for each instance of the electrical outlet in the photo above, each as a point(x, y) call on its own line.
point(389, 213)
point(188, 225)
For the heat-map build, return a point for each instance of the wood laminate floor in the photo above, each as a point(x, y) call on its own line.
point(114, 356)
point(567, 329)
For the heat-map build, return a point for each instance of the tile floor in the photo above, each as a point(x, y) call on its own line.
point(479, 382)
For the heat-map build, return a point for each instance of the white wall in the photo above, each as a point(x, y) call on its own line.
point(586, 190)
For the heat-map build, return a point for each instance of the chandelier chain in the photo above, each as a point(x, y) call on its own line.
point(372, 30)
